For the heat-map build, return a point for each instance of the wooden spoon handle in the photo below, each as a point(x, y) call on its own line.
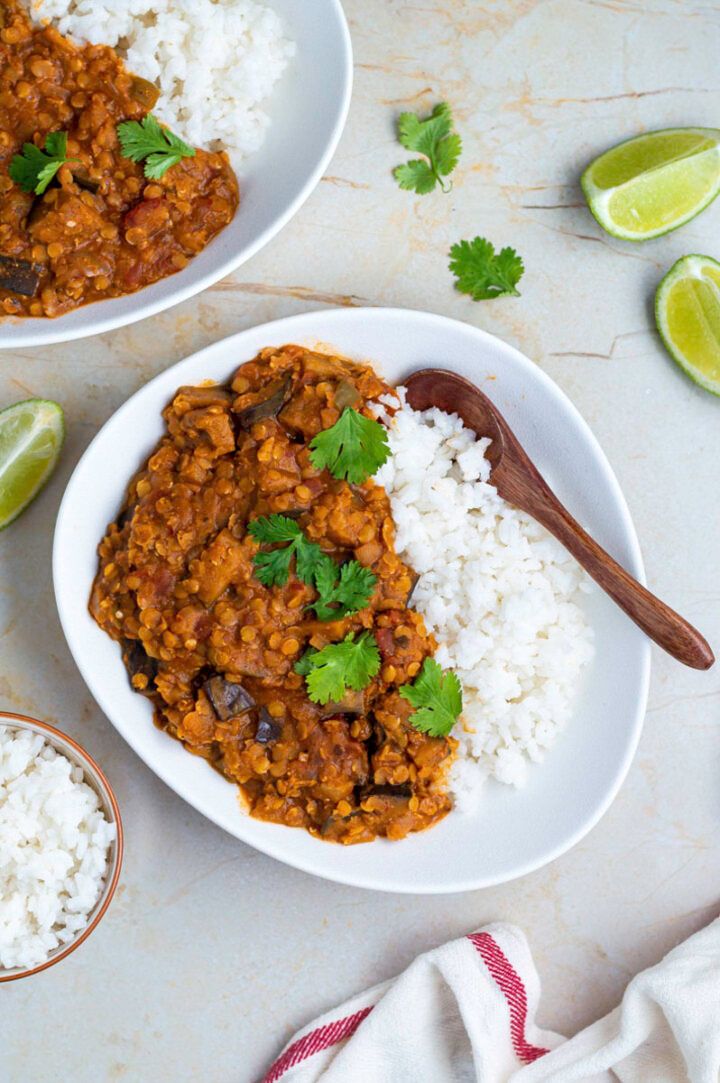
point(661, 623)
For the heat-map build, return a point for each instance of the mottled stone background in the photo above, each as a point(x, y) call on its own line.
point(212, 953)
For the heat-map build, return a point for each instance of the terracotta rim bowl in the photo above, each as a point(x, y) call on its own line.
point(95, 777)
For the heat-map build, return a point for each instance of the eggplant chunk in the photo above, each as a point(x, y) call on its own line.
point(414, 582)
point(83, 180)
point(351, 703)
point(227, 699)
point(402, 791)
point(19, 276)
point(275, 396)
point(125, 516)
point(137, 662)
point(268, 730)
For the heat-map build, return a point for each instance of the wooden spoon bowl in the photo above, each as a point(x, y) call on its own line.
point(518, 481)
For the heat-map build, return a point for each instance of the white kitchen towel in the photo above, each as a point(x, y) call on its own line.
point(465, 1013)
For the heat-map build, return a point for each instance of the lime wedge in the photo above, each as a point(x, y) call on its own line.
point(31, 435)
point(655, 182)
point(687, 313)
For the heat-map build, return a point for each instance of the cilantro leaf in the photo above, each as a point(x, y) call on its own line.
point(483, 274)
point(341, 591)
point(34, 168)
point(326, 575)
point(352, 663)
point(436, 697)
point(148, 141)
point(356, 585)
point(274, 528)
point(415, 176)
point(304, 665)
point(273, 568)
point(341, 596)
point(434, 137)
point(448, 154)
point(425, 136)
point(353, 448)
point(309, 557)
point(56, 144)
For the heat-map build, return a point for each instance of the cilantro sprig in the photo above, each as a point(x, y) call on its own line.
point(435, 139)
point(304, 664)
point(353, 448)
point(329, 672)
point(35, 168)
point(482, 273)
point(342, 591)
point(148, 141)
point(273, 568)
point(436, 697)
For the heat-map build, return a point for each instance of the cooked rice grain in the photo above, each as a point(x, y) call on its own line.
point(497, 590)
point(214, 61)
point(54, 842)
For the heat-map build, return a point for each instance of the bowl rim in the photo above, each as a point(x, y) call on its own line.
point(302, 327)
point(49, 332)
point(45, 728)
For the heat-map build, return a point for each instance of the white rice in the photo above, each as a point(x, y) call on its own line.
point(54, 841)
point(215, 61)
point(499, 593)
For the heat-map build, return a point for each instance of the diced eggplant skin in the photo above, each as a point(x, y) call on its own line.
point(137, 661)
point(86, 182)
point(227, 699)
point(268, 730)
point(351, 703)
point(319, 366)
point(19, 276)
point(269, 407)
point(401, 791)
point(35, 210)
point(125, 516)
point(415, 581)
point(327, 825)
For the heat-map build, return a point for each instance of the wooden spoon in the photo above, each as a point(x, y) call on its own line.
point(518, 482)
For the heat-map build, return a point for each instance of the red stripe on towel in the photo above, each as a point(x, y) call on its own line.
point(314, 1042)
point(512, 988)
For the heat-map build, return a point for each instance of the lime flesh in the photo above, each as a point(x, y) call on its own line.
point(31, 436)
point(654, 183)
point(687, 313)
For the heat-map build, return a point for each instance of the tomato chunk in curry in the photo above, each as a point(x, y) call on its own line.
point(215, 649)
point(100, 229)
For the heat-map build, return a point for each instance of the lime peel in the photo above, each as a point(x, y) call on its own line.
point(31, 437)
point(654, 183)
point(687, 314)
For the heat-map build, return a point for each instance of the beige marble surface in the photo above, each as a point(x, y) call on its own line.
point(212, 953)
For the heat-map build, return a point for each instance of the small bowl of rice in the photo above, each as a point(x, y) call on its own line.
point(61, 845)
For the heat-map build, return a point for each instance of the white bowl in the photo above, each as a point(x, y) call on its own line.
point(96, 779)
point(514, 831)
point(308, 112)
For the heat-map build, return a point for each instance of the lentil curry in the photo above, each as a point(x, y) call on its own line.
point(215, 649)
point(101, 229)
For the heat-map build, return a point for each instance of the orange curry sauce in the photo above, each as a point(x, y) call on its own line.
point(215, 649)
point(100, 229)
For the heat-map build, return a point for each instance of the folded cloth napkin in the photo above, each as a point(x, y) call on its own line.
point(466, 1012)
